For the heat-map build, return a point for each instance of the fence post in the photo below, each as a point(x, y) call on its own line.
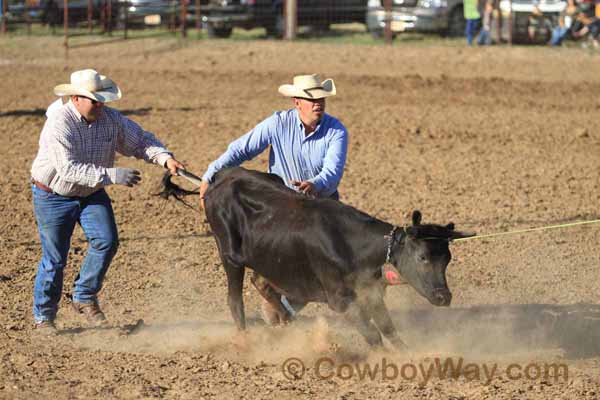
point(510, 23)
point(66, 26)
point(27, 17)
point(183, 18)
point(387, 34)
point(125, 4)
point(109, 17)
point(290, 16)
point(497, 17)
point(89, 15)
point(3, 14)
point(198, 16)
point(172, 14)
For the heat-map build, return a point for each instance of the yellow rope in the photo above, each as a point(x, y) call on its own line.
point(596, 221)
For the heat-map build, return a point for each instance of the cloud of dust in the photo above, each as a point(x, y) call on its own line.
point(478, 332)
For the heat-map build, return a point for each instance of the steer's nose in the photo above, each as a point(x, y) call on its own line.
point(442, 297)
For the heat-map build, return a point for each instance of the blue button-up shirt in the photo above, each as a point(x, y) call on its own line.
point(318, 157)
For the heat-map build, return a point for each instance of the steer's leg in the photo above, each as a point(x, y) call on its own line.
point(381, 315)
point(273, 299)
point(358, 317)
point(339, 295)
point(235, 283)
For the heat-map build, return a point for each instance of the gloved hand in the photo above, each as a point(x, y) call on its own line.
point(123, 176)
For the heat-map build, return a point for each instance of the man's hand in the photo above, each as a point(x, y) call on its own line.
point(172, 165)
point(124, 176)
point(305, 187)
point(203, 189)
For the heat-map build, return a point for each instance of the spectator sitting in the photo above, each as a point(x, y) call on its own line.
point(565, 23)
point(591, 23)
point(538, 24)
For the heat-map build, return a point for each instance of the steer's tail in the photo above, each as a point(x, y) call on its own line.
point(170, 189)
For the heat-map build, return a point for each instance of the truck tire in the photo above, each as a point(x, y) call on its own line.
point(220, 32)
point(456, 22)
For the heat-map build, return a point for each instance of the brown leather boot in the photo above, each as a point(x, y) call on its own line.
point(45, 328)
point(92, 312)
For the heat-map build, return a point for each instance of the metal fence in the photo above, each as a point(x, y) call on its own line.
point(384, 19)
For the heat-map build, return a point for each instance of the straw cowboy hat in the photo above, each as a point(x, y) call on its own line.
point(309, 87)
point(89, 83)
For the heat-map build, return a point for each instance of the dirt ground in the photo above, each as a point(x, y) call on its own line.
point(495, 140)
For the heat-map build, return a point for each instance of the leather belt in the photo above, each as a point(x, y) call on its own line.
point(41, 186)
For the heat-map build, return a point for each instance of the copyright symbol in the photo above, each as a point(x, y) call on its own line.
point(293, 368)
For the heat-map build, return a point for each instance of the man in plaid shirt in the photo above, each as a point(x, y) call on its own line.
point(73, 165)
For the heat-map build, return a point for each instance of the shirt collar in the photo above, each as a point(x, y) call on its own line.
point(74, 110)
point(301, 125)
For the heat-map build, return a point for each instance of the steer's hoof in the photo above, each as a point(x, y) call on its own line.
point(241, 341)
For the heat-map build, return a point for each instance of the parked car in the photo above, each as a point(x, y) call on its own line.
point(157, 12)
point(146, 12)
point(52, 11)
point(16, 13)
point(221, 16)
point(439, 16)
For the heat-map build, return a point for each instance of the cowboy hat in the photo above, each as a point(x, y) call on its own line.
point(89, 83)
point(308, 87)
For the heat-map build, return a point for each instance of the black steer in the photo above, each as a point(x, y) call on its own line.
point(321, 250)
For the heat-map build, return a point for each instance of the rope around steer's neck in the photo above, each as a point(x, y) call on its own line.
point(391, 243)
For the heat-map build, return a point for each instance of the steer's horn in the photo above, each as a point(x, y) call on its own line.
point(461, 235)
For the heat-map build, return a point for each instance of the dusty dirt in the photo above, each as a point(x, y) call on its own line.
point(494, 140)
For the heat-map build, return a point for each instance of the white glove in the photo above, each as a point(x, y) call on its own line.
point(123, 176)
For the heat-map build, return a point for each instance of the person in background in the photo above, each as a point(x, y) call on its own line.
point(565, 23)
point(589, 23)
point(472, 18)
point(485, 35)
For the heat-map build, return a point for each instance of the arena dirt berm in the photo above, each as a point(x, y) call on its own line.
point(493, 139)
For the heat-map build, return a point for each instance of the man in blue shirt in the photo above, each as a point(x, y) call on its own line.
point(308, 147)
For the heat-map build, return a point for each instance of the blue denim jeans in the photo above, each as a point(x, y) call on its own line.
point(485, 38)
point(56, 217)
point(558, 34)
point(471, 29)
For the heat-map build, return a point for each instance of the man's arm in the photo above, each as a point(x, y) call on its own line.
point(133, 141)
point(327, 181)
point(242, 149)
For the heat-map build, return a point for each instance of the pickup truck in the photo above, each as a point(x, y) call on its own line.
point(221, 16)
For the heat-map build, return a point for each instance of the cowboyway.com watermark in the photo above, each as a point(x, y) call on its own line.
point(438, 368)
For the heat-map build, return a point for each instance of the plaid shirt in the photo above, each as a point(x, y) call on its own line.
point(75, 156)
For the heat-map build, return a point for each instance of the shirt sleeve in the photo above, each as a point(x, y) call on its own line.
point(64, 157)
point(327, 181)
point(133, 141)
point(244, 148)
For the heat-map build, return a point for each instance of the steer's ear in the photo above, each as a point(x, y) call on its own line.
point(461, 235)
point(416, 217)
point(450, 226)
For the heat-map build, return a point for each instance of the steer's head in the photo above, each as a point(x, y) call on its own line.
point(420, 255)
